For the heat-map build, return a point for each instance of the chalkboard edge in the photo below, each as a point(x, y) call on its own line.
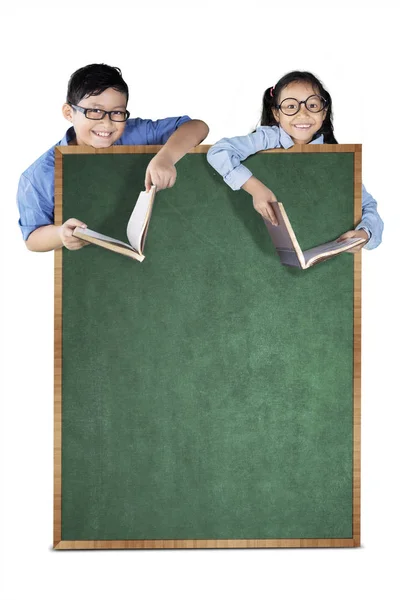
point(227, 544)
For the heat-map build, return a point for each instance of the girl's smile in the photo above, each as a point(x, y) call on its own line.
point(304, 124)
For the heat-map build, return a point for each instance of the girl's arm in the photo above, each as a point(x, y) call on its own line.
point(226, 155)
point(370, 227)
point(370, 220)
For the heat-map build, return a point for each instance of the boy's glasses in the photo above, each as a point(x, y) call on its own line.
point(95, 114)
point(291, 106)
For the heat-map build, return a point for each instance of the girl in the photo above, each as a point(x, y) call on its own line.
point(297, 110)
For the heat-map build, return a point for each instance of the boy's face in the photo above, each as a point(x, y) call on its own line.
point(99, 134)
point(301, 126)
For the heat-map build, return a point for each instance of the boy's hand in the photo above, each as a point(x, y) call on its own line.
point(160, 172)
point(360, 233)
point(68, 240)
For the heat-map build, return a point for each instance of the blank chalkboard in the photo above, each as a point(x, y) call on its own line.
point(209, 396)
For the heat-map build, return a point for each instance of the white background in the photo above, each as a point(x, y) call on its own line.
point(211, 60)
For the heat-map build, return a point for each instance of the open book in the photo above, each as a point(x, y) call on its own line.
point(289, 251)
point(136, 231)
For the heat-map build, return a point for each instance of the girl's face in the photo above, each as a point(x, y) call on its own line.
point(301, 126)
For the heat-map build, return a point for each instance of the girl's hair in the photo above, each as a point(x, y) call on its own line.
point(271, 96)
point(94, 79)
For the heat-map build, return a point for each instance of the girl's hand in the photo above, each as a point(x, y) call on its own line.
point(263, 198)
point(360, 233)
point(68, 240)
point(160, 172)
point(262, 201)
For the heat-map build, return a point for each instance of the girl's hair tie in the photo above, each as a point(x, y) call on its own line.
point(271, 91)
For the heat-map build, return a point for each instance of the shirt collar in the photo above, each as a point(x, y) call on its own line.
point(68, 137)
point(287, 142)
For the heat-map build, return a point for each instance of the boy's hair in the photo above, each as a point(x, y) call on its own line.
point(272, 94)
point(94, 79)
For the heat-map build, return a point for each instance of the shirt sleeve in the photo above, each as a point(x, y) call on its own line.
point(158, 132)
point(35, 211)
point(370, 220)
point(226, 155)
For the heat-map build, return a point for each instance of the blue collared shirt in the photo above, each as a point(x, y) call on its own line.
point(226, 156)
point(35, 195)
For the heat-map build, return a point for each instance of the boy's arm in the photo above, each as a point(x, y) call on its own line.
point(186, 137)
point(44, 239)
point(52, 237)
point(36, 206)
point(161, 169)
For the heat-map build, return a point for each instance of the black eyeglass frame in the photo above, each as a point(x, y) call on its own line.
point(300, 102)
point(105, 112)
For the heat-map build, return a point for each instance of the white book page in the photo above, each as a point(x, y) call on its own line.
point(139, 218)
point(103, 238)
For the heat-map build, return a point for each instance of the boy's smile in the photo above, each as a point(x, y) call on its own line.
point(97, 133)
point(303, 125)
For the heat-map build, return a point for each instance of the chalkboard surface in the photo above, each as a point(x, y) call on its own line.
point(206, 396)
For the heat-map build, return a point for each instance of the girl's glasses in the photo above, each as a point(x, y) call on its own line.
point(291, 106)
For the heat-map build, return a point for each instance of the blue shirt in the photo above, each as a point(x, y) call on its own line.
point(226, 156)
point(35, 195)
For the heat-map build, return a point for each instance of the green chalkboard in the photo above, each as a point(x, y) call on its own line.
point(207, 393)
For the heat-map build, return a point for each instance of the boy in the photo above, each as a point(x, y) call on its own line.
point(96, 104)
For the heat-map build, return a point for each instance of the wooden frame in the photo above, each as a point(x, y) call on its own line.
point(60, 544)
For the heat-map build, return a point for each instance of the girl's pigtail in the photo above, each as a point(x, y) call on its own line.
point(327, 125)
point(269, 101)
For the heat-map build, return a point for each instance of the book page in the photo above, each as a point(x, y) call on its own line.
point(284, 238)
point(290, 258)
point(331, 248)
point(89, 233)
point(137, 225)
